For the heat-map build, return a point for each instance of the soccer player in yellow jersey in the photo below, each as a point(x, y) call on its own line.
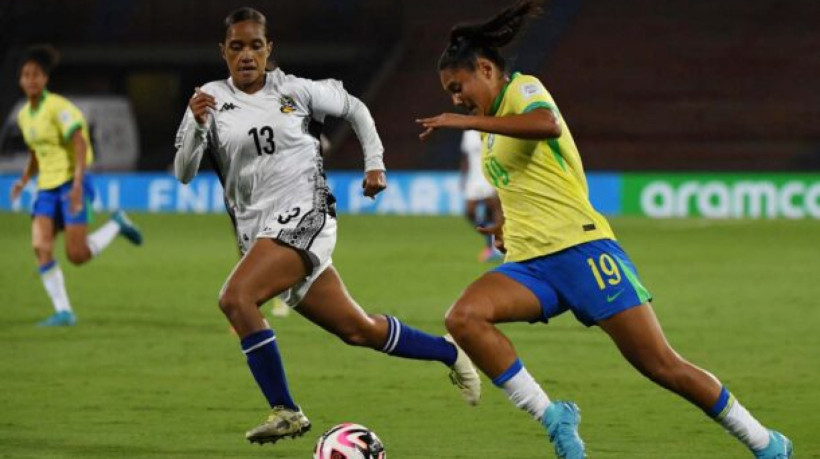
point(561, 253)
point(60, 151)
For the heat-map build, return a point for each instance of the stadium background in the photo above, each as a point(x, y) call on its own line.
point(723, 86)
point(680, 109)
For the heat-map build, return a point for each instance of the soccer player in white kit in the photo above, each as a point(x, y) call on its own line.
point(481, 207)
point(255, 126)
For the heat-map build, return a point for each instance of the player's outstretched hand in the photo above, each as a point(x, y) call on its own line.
point(445, 120)
point(16, 189)
point(200, 104)
point(374, 182)
point(497, 232)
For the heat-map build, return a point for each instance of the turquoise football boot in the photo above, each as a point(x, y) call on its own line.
point(561, 420)
point(127, 228)
point(59, 319)
point(780, 447)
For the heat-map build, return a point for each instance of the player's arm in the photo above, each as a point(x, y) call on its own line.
point(330, 98)
point(538, 124)
point(192, 137)
point(76, 194)
point(30, 171)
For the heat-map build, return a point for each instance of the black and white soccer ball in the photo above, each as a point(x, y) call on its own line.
point(349, 441)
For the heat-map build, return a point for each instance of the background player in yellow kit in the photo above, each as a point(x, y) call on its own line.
point(561, 253)
point(56, 134)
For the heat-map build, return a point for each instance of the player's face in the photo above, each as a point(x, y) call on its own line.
point(469, 89)
point(33, 79)
point(246, 52)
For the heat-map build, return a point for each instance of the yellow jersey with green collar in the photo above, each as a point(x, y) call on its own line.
point(47, 132)
point(541, 183)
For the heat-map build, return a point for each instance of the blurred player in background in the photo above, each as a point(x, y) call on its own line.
point(481, 206)
point(256, 126)
point(56, 134)
point(561, 253)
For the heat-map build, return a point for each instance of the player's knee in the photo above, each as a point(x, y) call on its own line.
point(78, 255)
point(231, 300)
point(461, 316)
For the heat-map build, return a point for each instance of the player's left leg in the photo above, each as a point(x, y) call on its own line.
point(640, 338)
point(328, 304)
point(81, 247)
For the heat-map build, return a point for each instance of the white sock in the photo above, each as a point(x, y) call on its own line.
point(743, 426)
point(526, 394)
point(100, 239)
point(55, 286)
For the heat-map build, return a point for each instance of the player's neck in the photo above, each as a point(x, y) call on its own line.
point(253, 87)
point(35, 100)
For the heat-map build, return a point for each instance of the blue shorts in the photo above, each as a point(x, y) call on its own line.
point(595, 280)
point(56, 205)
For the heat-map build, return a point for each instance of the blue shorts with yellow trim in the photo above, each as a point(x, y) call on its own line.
point(595, 280)
point(56, 205)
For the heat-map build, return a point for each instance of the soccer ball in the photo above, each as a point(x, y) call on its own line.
point(349, 441)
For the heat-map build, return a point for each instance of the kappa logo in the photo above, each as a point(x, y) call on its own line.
point(227, 106)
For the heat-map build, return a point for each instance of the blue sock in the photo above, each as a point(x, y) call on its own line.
point(46, 267)
point(724, 401)
point(266, 366)
point(404, 341)
point(508, 374)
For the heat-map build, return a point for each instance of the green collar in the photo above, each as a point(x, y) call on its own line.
point(500, 96)
point(33, 111)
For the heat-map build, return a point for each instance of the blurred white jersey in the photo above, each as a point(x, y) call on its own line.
point(476, 186)
point(267, 159)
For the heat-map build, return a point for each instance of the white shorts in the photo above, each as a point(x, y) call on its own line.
point(313, 235)
point(477, 189)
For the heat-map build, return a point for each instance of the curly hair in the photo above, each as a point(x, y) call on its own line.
point(469, 41)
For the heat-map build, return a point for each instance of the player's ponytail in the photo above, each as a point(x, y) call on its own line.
point(468, 41)
point(45, 56)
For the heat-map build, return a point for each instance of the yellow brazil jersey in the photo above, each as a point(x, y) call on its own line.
point(541, 183)
point(47, 132)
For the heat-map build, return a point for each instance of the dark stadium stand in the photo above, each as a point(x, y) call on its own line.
point(645, 85)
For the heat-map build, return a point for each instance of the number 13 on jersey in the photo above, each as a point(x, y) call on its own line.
point(265, 132)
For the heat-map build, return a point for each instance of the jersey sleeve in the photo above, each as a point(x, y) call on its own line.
point(529, 94)
point(191, 143)
point(321, 98)
point(68, 118)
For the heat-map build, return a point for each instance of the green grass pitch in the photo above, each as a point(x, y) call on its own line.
point(151, 370)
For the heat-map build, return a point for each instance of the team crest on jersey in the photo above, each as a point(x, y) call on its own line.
point(65, 117)
point(288, 104)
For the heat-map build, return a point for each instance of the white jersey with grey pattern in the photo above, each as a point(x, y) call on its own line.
point(269, 163)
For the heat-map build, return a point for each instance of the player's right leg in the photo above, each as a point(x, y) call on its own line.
point(81, 246)
point(43, 232)
point(497, 298)
point(268, 269)
point(640, 338)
